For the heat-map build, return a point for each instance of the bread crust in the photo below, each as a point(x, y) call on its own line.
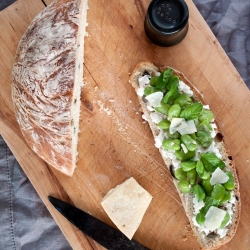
point(43, 82)
point(212, 241)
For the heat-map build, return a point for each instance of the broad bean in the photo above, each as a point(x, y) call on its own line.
point(175, 135)
point(181, 156)
point(226, 197)
point(191, 176)
point(218, 192)
point(183, 100)
point(150, 90)
point(163, 109)
point(180, 174)
point(188, 165)
point(203, 174)
point(207, 186)
point(164, 124)
point(199, 192)
point(174, 111)
point(171, 144)
point(189, 142)
point(229, 185)
point(204, 138)
point(200, 218)
point(184, 186)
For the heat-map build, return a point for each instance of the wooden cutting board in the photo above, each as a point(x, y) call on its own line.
point(115, 143)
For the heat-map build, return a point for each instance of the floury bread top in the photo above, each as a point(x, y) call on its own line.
point(47, 82)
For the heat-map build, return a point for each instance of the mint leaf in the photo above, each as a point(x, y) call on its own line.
point(172, 93)
point(211, 162)
point(192, 111)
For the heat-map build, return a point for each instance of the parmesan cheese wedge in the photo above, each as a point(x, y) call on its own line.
point(126, 205)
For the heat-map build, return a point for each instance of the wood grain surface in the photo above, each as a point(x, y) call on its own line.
point(115, 143)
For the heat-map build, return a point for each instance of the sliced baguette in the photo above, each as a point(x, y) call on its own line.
point(47, 82)
point(211, 241)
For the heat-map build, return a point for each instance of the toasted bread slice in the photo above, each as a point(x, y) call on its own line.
point(208, 240)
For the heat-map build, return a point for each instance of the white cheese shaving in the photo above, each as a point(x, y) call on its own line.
point(144, 80)
point(170, 155)
point(222, 232)
point(184, 88)
point(189, 129)
point(198, 205)
point(156, 117)
point(175, 123)
point(182, 126)
point(154, 99)
point(151, 109)
point(218, 176)
point(140, 91)
point(214, 218)
point(185, 150)
point(159, 139)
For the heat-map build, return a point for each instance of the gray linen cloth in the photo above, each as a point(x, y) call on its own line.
point(5, 3)
point(25, 223)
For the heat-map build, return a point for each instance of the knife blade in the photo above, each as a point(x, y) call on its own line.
point(99, 231)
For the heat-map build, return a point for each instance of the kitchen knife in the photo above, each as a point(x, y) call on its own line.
point(99, 231)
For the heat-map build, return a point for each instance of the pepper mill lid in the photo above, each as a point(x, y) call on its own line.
point(166, 22)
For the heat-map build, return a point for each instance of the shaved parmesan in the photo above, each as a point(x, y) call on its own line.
point(182, 126)
point(184, 148)
point(156, 117)
point(214, 218)
point(185, 88)
point(175, 123)
point(144, 80)
point(155, 99)
point(140, 91)
point(218, 176)
point(189, 129)
point(126, 205)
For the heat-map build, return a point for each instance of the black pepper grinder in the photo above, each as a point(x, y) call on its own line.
point(166, 22)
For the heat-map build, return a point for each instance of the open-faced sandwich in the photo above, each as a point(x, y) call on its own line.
point(193, 149)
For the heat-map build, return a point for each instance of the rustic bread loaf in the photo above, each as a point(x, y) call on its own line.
point(212, 240)
point(47, 82)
